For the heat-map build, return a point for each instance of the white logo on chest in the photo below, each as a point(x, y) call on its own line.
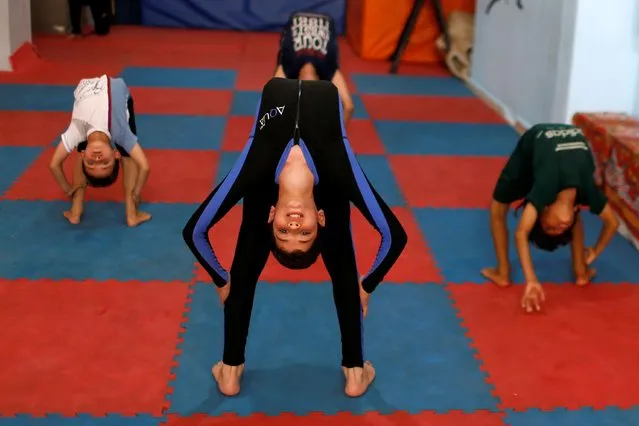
point(311, 33)
point(275, 112)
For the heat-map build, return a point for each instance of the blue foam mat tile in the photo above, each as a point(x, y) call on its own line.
point(245, 103)
point(14, 161)
point(294, 347)
point(224, 166)
point(101, 247)
point(432, 138)
point(410, 85)
point(461, 244)
point(582, 417)
point(80, 420)
point(183, 78)
point(36, 97)
point(381, 176)
point(181, 131)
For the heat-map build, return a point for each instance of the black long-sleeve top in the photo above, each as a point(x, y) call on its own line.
point(307, 113)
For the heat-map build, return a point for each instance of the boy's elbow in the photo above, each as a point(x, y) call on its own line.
point(403, 238)
point(399, 237)
point(187, 233)
point(614, 223)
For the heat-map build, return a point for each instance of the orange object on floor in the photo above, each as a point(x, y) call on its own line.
point(373, 28)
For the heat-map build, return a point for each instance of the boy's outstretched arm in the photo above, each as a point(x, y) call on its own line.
point(130, 173)
point(499, 275)
point(59, 155)
point(74, 214)
point(347, 100)
point(143, 170)
point(381, 217)
point(534, 294)
point(583, 274)
point(219, 202)
point(608, 231)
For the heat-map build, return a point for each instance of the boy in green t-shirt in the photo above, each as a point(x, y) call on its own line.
point(552, 170)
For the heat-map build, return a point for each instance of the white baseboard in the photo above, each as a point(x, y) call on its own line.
point(513, 119)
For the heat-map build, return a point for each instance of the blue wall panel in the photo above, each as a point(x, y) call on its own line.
point(243, 15)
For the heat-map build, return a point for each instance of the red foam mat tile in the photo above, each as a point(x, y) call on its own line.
point(31, 128)
point(363, 137)
point(253, 74)
point(447, 181)
point(236, 133)
point(131, 42)
point(430, 108)
point(414, 265)
point(87, 347)
point(184, 60)
point(581, 350)
point(345, 419)
point(176, 177)
point(62, 73)
point(181, 101)
point(261, 47)
point(25, 57)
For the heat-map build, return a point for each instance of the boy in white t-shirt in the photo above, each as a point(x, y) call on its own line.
point(103, 132)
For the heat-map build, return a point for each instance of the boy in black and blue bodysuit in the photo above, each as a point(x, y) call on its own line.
point(297, 176)
point(309, 51)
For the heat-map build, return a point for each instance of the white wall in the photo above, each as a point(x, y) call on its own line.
point(5, 44)
point(15, 28)
point(557, 57)
point(605, 59)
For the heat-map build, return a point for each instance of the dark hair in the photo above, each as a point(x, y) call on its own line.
point(546, 242)
point(298, 259)
point(102, 182)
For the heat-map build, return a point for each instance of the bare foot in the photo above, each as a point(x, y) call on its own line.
point(228, 378)
point(73, 218)
point(139, 218)
point(358, 379)
point(497, 278)
point(585, 279)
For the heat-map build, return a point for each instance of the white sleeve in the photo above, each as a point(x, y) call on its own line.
point(73, 136)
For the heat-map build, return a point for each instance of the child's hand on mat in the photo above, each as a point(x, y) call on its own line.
point(590, 255)
point(223, 292)
point(363, 297)
point(533, 296)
